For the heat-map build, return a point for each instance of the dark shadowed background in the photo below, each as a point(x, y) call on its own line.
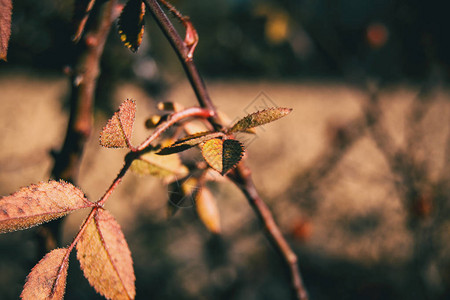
point(357, 175)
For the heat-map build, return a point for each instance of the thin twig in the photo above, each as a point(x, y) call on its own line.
point(182, 51)
point(128, 160)
point(241, 175)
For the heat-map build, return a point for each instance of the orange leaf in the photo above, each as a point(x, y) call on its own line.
point(117, 133)
point(260, 118)
point(222, 155)
point(131, 24)
point(5, 26)
point(207, 210)
point(39, 203)
point(105, 257)
point(47, 280)
point(82, 9)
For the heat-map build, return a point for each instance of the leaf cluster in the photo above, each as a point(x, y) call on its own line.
point(101, 247)
point(102, 250)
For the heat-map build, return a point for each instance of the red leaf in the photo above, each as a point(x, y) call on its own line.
point(105, 257)
point(47, 280)
point(39, 203)
point(118, 130)
point(5, 26)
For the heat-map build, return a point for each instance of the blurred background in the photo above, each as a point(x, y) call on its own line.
point(357, 175)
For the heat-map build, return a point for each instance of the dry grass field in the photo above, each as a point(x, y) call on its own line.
point(343, 198)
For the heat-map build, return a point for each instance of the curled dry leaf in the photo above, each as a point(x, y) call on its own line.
point(222, 155)
point(39, 203)
point(105, 257)
point(207, 210)
point(189, 142)
point(118, 130)
point(47, 280)
point(131, 24)
point(260, 118)
point(5, 26)
point(82, 9)
point(168, 168)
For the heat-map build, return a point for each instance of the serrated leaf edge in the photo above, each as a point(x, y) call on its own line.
point(235, 129)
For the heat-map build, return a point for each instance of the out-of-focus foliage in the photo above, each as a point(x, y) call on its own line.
point(392, 39)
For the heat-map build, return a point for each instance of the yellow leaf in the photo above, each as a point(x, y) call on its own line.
point(168, 168)
point(105, 257)
point(222, 155)
point(47, 280)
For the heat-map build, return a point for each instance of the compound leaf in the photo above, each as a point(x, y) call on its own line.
point(131, 24)
point(105, 257)
point(82, 9)
point(260, 118)
point(118, 130)
point(207, 210)
point(39, 203)
point(168, 168)
point(47, 280)
point(189, 142)
point(5, 26)
point(222, 155)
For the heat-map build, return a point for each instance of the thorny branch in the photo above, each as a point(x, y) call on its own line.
point(241, 175)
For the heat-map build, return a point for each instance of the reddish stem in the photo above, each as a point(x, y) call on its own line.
point(128, 160)
point(171, 120)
